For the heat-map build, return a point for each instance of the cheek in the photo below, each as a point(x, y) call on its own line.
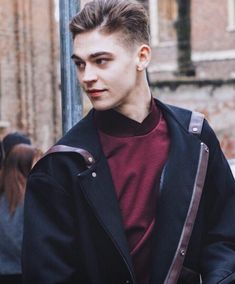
point(123, 75)
point(129, 77)
point(122, 84)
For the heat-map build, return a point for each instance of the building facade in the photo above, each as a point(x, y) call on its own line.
point(193, 63)
point(29, 64)
point(211, 38)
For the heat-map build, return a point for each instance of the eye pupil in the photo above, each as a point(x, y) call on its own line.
point(101, 61)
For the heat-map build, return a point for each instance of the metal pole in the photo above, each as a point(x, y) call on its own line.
point(183, 29)
point(70, 89)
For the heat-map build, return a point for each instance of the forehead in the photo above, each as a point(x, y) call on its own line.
point(94, 41)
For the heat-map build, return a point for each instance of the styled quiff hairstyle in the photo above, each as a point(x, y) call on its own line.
point(109, 16)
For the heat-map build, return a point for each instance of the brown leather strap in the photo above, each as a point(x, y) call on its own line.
point(196, 123)
point(89, 159)
point(177, 263)
point(195, 127)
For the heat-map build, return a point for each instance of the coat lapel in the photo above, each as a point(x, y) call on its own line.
point(175, 196)
point(98, 189)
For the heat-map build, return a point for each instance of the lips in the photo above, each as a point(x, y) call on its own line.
point(94, 93)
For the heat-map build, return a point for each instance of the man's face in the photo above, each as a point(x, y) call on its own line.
point(107, 69)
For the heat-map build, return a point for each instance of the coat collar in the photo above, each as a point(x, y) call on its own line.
point(84, 135)
point(116, 124)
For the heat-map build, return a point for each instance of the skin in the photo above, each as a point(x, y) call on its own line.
point(112, 73)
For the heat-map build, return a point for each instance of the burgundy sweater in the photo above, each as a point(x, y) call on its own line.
point(136, 153)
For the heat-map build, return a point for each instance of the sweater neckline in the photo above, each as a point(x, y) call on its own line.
point(116, 124)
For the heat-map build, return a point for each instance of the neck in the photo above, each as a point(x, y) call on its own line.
point(138, 106)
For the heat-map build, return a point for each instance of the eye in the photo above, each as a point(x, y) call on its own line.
point(80, 64)
point(101, 61)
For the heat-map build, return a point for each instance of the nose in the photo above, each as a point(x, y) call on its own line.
point(89, 75)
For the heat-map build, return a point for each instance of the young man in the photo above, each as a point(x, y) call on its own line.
point(136, 192)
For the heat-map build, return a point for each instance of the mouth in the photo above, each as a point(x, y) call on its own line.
point(94, 93)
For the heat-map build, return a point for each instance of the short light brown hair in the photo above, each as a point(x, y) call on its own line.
point(109, 16)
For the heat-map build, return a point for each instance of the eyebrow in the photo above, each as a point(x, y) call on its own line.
point(93, 55)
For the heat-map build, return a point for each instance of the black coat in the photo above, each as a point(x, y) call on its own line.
point(73, 232)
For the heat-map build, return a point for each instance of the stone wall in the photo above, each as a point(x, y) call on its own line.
point(212, 43)
point(212, 89)
point(215, 100)
point(29, 93)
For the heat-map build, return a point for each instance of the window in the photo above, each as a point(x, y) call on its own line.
point(163, 14)
point(231, 15)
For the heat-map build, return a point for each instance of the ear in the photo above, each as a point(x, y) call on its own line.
point(144, 57)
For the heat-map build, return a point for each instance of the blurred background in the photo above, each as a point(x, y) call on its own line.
point(193, 64)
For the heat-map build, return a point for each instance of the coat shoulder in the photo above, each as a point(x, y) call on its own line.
point(57, 163)
point(183, 116)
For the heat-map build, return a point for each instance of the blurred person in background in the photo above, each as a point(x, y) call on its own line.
point(18, 161)
point(8, 142)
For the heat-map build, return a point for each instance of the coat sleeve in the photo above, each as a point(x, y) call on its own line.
point(218, 256)
point(49, 241)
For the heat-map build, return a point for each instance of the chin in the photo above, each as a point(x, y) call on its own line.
point(101, 106)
